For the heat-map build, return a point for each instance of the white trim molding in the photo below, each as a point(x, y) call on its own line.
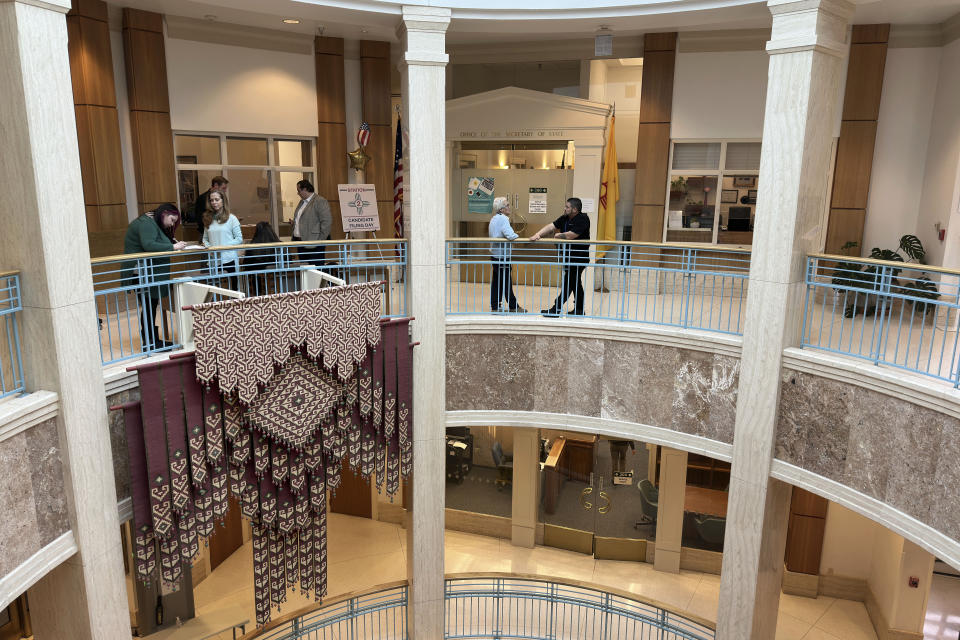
point(35, 567)
point(897, 521)
point(19, 414)
point(591, 425)
point(724, 344)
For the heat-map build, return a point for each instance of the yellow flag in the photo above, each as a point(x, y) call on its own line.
point(609, 194)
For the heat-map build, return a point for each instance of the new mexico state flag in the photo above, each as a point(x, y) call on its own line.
point(609, 193)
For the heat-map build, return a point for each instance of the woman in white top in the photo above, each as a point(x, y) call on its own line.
point(222, 229)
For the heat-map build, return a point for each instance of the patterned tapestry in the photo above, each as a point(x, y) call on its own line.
point(279, 391)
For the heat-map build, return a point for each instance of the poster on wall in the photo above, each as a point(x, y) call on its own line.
point(480, 195)
point(358, 207)
point(538, 200)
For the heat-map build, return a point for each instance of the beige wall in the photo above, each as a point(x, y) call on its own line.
point(895, 561)
point(848, 542)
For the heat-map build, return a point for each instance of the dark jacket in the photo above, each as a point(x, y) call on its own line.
point(144, 236)
point(198, 208)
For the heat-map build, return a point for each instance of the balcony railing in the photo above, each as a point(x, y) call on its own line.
point(135, 294)
point(899, 314)
point(494, 606)
point(688, 286)
point(11, 364)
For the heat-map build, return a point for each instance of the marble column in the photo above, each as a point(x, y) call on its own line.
point(673, 487)
point(85, 597)
point(526, 487)
point(422, 66)
point(806, 50)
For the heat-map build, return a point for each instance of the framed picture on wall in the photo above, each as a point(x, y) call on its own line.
point(745, 182)
point(729, 196)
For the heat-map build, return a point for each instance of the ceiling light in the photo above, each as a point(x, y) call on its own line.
point(291, 21)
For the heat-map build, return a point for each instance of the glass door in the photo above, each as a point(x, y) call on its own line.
point(626, 500)
point(569, 492)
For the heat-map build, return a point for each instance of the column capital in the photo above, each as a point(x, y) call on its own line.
point(422, 30)
point(809, 25)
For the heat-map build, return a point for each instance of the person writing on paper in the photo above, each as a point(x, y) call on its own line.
point(572, 225)
point(151, 232)
point(501, 286)
point(311, 221)
point(222, 229)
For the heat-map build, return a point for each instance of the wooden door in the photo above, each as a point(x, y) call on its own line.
point(353, 495)
point(228, 538)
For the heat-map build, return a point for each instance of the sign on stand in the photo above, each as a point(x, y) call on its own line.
point(538, 200)
point(623, 477)
point(358, 207)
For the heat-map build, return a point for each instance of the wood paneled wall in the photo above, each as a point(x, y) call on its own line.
point(146, 66)
point(858, 133)
point(98, 126)
point(332, 126)
point(653, 139)
point(808, 519)
point(375, 88)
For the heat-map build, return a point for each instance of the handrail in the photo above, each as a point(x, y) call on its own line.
point(885, 263)
point(11, 272)
point(197, 248)
point(11, 358)
point(452, 578)
point(619, 243)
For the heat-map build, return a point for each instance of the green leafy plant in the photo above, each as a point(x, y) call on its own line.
point(868, 277)
point(679, 184)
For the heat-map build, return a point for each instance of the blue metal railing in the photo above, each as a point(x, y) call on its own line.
point(134, 294)
point(495, 606)
point(899, 314)
point(11, 362)
point(689, 286)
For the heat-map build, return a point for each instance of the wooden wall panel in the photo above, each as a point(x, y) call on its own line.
point(843, 225)
point(375, 89)
point(98, 125)
point(147, 90)
point(332, 131)
point(153, 156)
point(653, 156)
point(804, 544)
point(864, 81)
point(851, 180)
point(858, 132)
point(805, 503)
point(656, 91)
point(653, 139)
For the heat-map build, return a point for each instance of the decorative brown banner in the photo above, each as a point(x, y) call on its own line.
point(280, 389)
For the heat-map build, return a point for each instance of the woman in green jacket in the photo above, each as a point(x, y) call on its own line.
point(151, 232)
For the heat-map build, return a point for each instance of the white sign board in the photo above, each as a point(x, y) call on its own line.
point(589, 205)
point(538, 200)
point(358, 207)
point(623, 477)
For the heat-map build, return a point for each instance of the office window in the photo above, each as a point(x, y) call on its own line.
point(262, 170)
point(712, 191)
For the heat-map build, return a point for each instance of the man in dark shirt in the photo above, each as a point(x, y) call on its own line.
point(572, 225)
point(218, 183)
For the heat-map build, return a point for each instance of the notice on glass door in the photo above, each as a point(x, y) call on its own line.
point(538, 200)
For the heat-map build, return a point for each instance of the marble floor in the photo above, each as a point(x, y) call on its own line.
point(364, 553)
point(943, 609)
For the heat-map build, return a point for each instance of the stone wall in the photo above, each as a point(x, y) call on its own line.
point(32, 496)
point(118, 441)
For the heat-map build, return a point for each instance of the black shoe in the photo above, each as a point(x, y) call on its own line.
point(518, 309)
point(575, 313)
point(550, 313)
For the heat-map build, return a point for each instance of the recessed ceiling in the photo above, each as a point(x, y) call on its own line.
point(343, 18)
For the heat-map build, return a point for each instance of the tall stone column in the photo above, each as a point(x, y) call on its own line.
point(422, 36)
point(526, 487)
point(806, 55)
point(673, 488)
point(85, 597)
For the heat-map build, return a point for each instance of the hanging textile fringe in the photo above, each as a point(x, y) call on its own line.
point(281, 389)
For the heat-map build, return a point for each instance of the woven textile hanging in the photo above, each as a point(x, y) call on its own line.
point(278, 392)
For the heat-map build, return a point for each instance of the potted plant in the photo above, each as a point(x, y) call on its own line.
point(678, 187)
point(869, 277)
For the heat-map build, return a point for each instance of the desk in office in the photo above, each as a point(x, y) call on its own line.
point(712, 502)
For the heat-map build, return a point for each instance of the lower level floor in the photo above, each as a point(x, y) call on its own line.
point(364, 553)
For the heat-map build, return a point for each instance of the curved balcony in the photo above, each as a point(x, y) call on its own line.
point(482, 606)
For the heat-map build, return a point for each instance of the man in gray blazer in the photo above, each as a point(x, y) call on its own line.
point(311, 221)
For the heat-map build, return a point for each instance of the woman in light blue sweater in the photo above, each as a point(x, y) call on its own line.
point(222, 229)
point(501, 286)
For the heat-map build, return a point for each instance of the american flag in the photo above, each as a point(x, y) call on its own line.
point(363, 134)
point(398, 185)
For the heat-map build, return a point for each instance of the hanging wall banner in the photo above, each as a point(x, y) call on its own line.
point(538, 200)
point(358, 207)
point(480, 195)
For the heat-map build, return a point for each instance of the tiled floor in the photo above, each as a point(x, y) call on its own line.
point(364, 553)
point(943, 609)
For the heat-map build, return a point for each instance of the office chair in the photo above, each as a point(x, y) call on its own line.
point(710, 529)
point(504, 466)
point(649, 499)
